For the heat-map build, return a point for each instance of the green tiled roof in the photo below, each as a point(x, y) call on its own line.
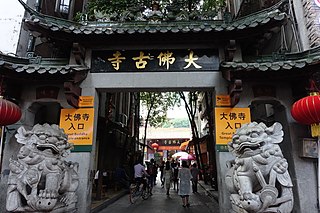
point(277, 62)
point(272, 14)
point(50, 66)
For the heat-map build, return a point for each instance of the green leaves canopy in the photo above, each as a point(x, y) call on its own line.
point(157, 105)
point(119, 6)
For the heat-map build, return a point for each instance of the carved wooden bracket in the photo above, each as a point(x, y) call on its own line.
point(72, 93)
point(230, 50)
point(72, 88)
point(235, 90)
point(79, 53)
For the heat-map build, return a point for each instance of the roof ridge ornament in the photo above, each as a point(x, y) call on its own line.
point(33, 59)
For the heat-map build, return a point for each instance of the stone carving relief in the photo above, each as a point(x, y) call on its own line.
point(40, 180)
point(258, 178)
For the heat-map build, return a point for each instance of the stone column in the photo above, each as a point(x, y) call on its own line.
point(86, 160)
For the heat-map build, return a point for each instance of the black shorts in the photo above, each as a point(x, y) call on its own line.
point(139, 179)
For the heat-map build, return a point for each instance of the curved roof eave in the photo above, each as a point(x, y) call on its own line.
point(41, 22)
point(278, 62)
point(54, 66)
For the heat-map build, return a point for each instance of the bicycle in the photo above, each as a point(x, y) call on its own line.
point(136, 192)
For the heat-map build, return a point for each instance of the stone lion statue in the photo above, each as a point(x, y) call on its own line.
point(258, 178)
point(40, 180)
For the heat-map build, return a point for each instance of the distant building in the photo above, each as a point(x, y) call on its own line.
point(169, 140)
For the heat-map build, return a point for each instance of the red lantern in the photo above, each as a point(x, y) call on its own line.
point(307, 111)
point(10, 113)
point(155, 146)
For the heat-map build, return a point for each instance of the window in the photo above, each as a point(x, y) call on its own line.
point(62, 6)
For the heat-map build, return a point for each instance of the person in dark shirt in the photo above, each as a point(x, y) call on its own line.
point(194, 172)
point(152, 171)
point(175, 167)
point(161, 167)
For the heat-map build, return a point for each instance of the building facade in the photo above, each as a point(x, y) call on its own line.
point(260, 53)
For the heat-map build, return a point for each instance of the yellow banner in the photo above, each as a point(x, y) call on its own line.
point(78, 125)
point(227, 120)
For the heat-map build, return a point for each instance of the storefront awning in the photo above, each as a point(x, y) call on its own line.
point(184, 145)
point(201, 140)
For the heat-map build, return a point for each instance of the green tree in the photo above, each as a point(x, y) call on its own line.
point(209, 5)
point(157, 104)
point(180, 123)
point(119, 6)
point(177, 123)
point(191, 105)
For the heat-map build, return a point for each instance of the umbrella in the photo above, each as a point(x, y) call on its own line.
point(188, 157)
point(179, 154)
point(183, 156)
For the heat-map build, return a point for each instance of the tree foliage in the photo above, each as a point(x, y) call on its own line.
point(177, 123)
point(157, 105)
point(108, 6)
point(191, 105)
point(119, 6)
point(209, 5)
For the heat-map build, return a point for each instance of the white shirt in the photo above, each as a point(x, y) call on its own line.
point(96, 176)
point(139, 170)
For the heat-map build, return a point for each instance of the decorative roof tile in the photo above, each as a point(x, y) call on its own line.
point(271, 63)
point(51, 66)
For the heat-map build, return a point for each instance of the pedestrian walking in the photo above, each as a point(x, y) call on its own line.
point(175, 167)
point(139, 174)
point(96, 179)
point(152, 171)
point(155, 168)
point(161, 168)
point(185, 177)
point(168, 175)
point(195, 173)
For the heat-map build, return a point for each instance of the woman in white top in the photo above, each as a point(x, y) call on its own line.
point(185, 177)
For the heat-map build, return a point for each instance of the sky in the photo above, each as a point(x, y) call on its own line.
point(176, 112)
point(11, 13)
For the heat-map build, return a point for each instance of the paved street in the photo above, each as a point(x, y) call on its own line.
point(159, 202)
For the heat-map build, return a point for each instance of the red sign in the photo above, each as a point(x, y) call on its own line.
point(169, 148)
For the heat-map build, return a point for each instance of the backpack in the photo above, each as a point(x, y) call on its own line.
point(149, 169)
point(152, 169)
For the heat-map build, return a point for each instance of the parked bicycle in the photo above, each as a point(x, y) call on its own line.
point(139, 189)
